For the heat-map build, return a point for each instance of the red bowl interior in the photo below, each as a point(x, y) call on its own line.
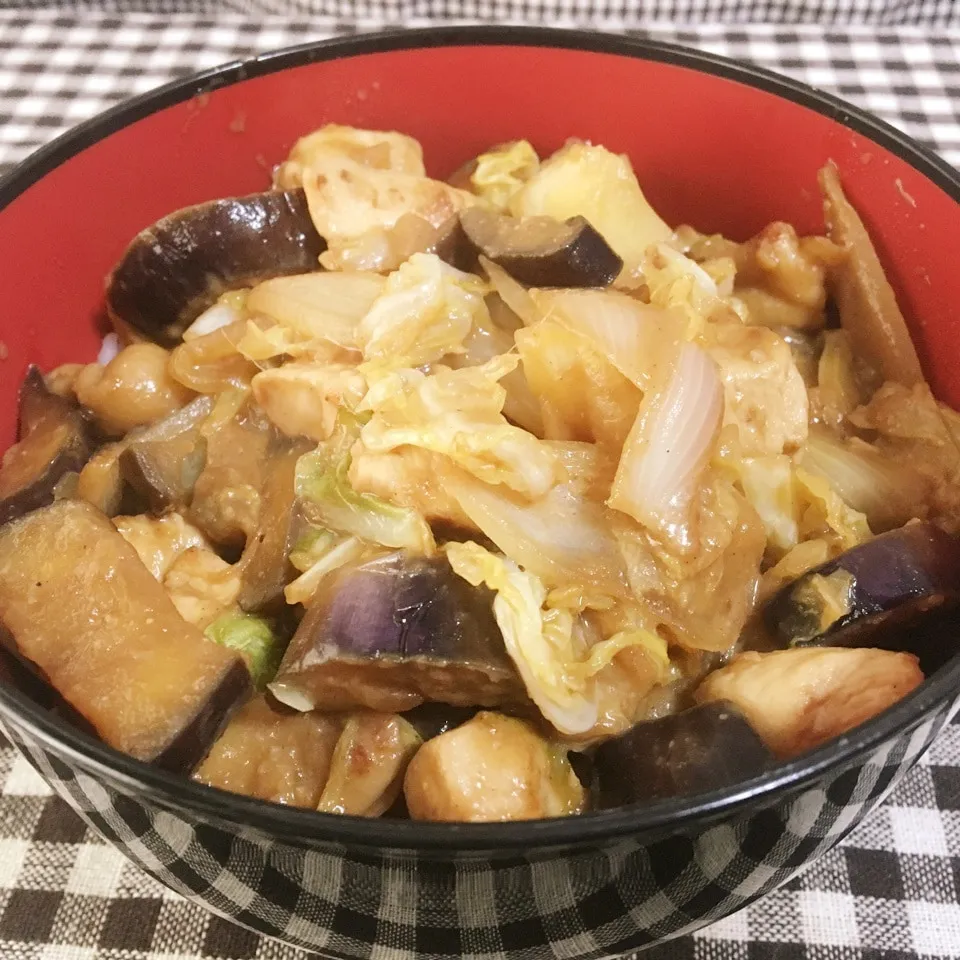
point(709, 151)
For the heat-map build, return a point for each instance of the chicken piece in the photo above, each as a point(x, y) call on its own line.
point(133, 390)
point(359, 185)
point(159, 542)
point(912, 428)
point(368, 765)
point(202, 585)
point(780, 278)
point(765, 396)
point(800, 698)
point(493, 768)
point(379, 149)
point(274, 754)
point(301, 399)
point(408, 478)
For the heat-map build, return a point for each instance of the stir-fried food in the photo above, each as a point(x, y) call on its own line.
point(483, 499)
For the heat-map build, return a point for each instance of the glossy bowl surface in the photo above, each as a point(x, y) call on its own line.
point(716, 144)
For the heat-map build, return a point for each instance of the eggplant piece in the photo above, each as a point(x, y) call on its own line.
point(164, 462)
point(54, 440)
point(542, 251)
point(176, 269)
point(273, 753)
point(101, 481)
point(226, 497)
point(704, 748)
point(857, 598)
point(265, 564)
point(81, 607)
point(393, 632)
point(453, 246)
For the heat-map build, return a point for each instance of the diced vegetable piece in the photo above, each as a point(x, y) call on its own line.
point(848, 601)
point(254, 639)
point(395, 631)
point(330, 500)
point(582, 395)
point(700, 749)
point(865, 300)
point(266, 562)
point(493, 768)
point(273, 753)
point(176, 269)
point(370, 759)
point(799, 699)
point(498, 173)
point(54, 440)
point(81, 606)
point(542, 251)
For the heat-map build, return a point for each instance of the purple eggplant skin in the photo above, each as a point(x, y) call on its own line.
point(177, 268)
point(701, 749)
point(894, 581)
point(54, 439)
point(540, 251)
point(393, 632)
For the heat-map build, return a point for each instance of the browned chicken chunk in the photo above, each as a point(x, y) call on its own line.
point(492, 768)
point(799, 699)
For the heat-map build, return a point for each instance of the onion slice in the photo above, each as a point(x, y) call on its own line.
point(668, 448)
point(639, 340)
point(559, 538)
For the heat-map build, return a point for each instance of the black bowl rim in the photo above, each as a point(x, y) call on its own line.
point(675, 815)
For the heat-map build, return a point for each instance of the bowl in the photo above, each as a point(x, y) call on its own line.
point(718, 144)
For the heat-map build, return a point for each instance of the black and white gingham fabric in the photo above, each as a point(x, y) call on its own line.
point(891, 891)
point(630, 13)
point(58, 69)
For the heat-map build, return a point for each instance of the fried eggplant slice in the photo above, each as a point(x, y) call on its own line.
point(82, 608)
point(853, 599)
point(542, 251)
point(176, 269)
point(393, 632)
point(704, 748)
point(54, 440)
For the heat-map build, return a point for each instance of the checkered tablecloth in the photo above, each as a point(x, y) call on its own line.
point(891, 891)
